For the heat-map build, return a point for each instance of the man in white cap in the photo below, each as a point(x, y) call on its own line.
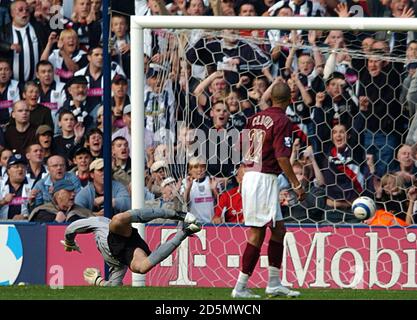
point(158, 174)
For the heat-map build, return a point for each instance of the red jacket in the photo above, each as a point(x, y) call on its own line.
point(231, 203)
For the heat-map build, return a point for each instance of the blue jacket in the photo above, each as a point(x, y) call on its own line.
point(45, 187)
point(85, 198)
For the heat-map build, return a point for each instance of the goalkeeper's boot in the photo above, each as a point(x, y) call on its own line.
point(281, 291)
point(187, 217)
point(191, 228)
point(190, 218)
point(244, 293)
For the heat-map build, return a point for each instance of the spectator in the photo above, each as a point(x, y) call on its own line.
point(94, 143)
point(93, 72)
point(44, 187)
point(85, 24)
point(5, 154)
point(44, 136)
point(344, 178)
point(221, 138)
point(237, 118)
point(159, 100)
point(299, 110)
point(78, 103)
point(170, 198)
point(39, 114)
point(121, 42)
point(62, 207)
point(311, 209)
point(22, 42)
point(121, 161)
point(200, 191)
point(380, 109)
point(337, 104)
point(21, 134)
point(411, 211)
point(100, 120)
point(15, 190)
point(72, 136)
point(158, 174)
point(92, 196)
point(120, 99)
point(125, 131)
point(406, 167)
point(36, 169)
point(81, 159)
point(68, 58)
point(9, 91)
point(391, 197)
point(52, 94)
point(229, 206)
point(412, 103)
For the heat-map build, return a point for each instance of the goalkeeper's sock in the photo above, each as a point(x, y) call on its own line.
point(273, 279)
point(164, 250)
point(146, 215)
point(242, 281)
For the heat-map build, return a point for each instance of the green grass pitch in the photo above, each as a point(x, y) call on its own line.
point(33, 292)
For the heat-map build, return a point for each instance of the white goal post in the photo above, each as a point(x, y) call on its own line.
point(139, 23)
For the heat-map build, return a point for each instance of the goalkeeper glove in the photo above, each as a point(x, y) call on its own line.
point(93, 276)
point(70, 246)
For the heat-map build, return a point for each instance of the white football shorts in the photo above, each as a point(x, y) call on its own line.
point(260, 199)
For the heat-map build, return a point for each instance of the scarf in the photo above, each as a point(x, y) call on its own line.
point(345, 165)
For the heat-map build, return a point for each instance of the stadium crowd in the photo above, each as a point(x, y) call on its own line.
point(354, 97)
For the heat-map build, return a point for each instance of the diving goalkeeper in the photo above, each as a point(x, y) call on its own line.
point(121, 245)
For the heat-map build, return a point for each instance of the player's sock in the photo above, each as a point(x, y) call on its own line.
point(275, 252)
point(242, 281)
point(273, 277)
point(250, 258)
point(147, 214)
point(165, 249)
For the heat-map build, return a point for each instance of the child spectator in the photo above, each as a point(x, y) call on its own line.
point(121, 43)
point(229, 206)
point(81, 160)
point(200, 191)
point(72, 136)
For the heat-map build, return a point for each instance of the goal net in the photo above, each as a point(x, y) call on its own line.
point(353, 97)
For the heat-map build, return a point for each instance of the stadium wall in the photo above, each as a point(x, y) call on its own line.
point(359, 257)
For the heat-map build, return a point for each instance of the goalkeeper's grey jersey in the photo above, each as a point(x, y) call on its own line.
point(100, 227)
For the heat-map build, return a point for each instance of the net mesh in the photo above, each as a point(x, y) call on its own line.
point(352, 109)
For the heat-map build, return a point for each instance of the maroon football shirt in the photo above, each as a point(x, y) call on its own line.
point(269, 134)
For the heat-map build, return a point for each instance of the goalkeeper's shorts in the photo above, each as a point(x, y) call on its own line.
point(122, 248)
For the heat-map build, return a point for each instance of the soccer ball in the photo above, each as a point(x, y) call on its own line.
point(363, 208)
point(11, 254)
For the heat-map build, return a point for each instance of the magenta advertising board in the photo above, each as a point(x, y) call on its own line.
point(316, 257)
